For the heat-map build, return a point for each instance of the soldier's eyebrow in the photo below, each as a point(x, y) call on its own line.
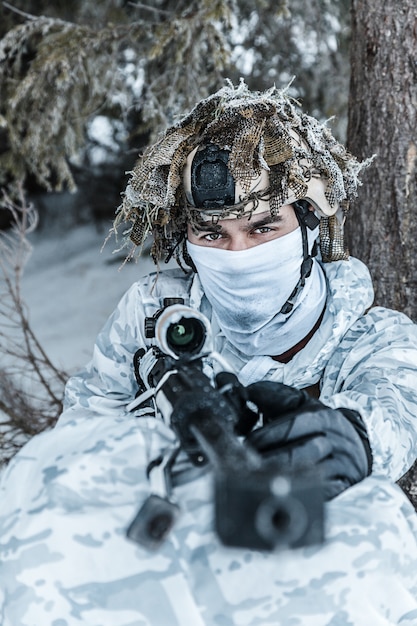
point(206, 227)
point(209, 227)
point(264, 221)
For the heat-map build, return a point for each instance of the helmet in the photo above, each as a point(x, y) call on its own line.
point(237, 153)
point(211, 189)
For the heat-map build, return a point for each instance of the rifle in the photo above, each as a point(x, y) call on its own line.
point(256, 504)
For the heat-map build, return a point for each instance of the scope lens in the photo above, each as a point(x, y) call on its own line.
point(187, 335)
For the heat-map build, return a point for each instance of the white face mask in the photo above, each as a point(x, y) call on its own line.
point(247, 289)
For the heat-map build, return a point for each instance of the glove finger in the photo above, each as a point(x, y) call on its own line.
point(333, 487)
point(335, 479)
point(348, 448)
point(288, 428)
point(275, 399)
point(301, 454)
point(349, 465)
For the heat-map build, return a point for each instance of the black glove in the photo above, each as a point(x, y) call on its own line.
point(300, 432)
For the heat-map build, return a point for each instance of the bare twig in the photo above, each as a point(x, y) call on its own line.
point(139, 5)
point(28, 16)
point(31, 387)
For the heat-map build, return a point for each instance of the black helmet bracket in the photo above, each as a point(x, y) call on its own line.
point(212, 184)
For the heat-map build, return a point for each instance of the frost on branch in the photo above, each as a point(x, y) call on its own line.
point(56, 75)
point(53, 76)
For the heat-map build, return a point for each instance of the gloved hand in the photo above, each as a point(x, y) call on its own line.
point(301, 432)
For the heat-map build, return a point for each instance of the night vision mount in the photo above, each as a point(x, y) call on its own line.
point(212, 185)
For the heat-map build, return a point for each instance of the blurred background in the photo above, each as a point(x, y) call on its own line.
point(86, 85)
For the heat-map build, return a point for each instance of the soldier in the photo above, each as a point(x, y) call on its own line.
point(249, 195)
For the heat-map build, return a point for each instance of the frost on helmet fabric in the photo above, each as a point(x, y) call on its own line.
point(262, 131)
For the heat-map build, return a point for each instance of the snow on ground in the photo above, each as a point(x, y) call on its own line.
point(71, 288)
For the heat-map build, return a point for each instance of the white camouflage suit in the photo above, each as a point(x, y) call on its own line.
point(69, 495)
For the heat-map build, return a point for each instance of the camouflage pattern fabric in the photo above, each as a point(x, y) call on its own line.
point(69, 495)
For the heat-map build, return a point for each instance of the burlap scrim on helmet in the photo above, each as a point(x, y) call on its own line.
point(261, 130)
point(331, 240)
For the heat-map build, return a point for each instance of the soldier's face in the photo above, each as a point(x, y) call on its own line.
point(243, 233)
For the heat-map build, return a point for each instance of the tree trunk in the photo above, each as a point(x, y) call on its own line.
point(382, 227)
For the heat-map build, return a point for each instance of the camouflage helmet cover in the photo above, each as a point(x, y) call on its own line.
point(262, 132)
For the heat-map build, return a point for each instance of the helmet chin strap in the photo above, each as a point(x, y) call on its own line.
point(306, 219)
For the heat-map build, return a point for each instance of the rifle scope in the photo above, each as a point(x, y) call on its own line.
point(181, 331)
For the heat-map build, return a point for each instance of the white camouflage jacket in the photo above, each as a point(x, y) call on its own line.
point(69, 495)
